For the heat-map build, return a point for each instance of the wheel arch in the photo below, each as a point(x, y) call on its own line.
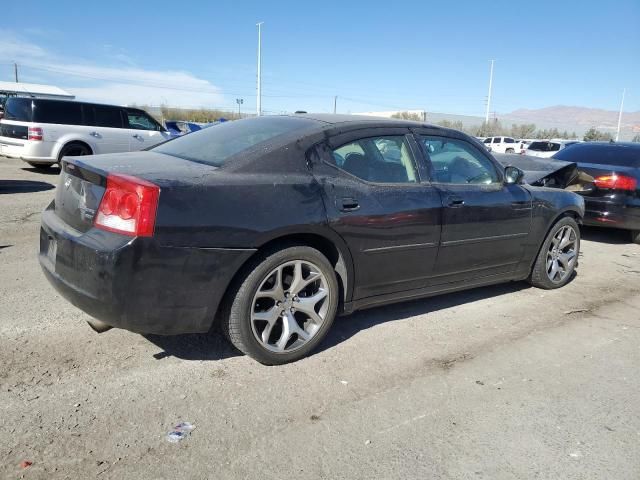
point(569, 211)
point(66, 142)
point(327, 243)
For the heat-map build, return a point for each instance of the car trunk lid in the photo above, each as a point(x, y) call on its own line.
point(83, 180)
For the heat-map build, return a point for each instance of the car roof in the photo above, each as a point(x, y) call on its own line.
point(634, 145)
point(364, 120)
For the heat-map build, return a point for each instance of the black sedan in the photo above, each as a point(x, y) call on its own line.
point(273, 225)
point(615, 202)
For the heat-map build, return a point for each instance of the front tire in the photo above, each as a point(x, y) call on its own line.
point(283, 306)
point(558, 256)
point(635, 236)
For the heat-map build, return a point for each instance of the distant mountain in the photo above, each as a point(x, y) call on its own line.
point(579, 119)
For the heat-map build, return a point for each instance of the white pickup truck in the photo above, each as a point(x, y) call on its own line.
point(502, 145)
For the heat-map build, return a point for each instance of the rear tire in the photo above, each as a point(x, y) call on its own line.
point(558, 256)
point(635, 236)
point(74, 149)
point(510, 150)
point(265, 315)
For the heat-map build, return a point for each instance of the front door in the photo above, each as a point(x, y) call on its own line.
point(485, 222)
point(375, 200)
point(144, 132)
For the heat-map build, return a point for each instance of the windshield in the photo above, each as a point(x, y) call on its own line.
point(544, 146)
point(216, 144)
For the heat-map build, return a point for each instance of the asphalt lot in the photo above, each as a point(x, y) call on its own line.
point(500, 382)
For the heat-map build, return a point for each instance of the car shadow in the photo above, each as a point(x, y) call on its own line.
point(614, 236)
point(214, 346)
point(23, 186)
point(44, 171)
point(347, 326)
point(194, 346)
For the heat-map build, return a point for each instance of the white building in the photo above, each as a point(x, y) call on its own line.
point(12, 89)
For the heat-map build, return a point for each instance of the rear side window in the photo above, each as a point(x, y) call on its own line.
point(51, 111)
point(509, 140)
point(104, 116)
point(617, 155)
point(496, 140)
point(18, 109)
point(378, 159)
point(217, 144)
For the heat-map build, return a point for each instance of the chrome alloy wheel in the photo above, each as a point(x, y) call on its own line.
point(290, 306)
point(562, 254)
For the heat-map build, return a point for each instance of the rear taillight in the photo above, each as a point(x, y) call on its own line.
point(34, 133)
point(128, 206)
point(617, 182)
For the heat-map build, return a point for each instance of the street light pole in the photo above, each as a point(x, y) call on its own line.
point(259, 86)
point(624, 90)
point(239, 101)
point(486, 116)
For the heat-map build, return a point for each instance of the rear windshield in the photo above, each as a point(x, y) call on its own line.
point(620, 155)
point(216, 144)
point(544, 146)
point(18, 109)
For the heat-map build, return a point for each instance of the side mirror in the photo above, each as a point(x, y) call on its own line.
point(513, 175)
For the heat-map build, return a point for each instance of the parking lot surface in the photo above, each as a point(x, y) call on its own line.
point(499, 382)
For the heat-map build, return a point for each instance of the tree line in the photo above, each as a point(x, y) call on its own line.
point(517, 131)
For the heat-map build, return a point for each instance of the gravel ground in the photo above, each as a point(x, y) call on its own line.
point(500, 382)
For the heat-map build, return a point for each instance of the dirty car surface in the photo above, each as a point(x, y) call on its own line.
point(273, 225)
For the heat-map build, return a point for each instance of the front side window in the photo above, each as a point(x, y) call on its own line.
point(140, 121)
point(385, 159)
point(458, 162)
point(487, 140)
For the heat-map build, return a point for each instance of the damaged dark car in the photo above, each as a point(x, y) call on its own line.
point(269, 227)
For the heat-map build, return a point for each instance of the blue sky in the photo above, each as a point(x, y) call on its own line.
point(374, 55)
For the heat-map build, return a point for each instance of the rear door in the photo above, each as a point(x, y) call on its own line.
point(106, 124)
point(485, 222)
point(377, 202)
point(143, 130)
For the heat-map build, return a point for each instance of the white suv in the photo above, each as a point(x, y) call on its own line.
point(501, 145)
point(41, 131)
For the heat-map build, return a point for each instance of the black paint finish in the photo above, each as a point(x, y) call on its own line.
point(388, 241)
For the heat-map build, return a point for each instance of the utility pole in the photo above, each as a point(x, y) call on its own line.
point(335, 103)
point(239, 101)
point(15, 70)
point(624, 90)
point(259, 87)
point(486, 116)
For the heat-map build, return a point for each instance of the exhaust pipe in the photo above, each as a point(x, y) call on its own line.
point(98, 326)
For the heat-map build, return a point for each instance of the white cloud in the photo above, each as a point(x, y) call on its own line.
point(111, 84)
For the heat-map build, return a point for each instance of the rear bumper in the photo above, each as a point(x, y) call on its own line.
point(135, 283)
point(27, 150)
point(624, 213)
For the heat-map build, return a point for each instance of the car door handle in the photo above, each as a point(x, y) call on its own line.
point(95, 134)
point(349, 204)
point(454, 201)
point(135, 135)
